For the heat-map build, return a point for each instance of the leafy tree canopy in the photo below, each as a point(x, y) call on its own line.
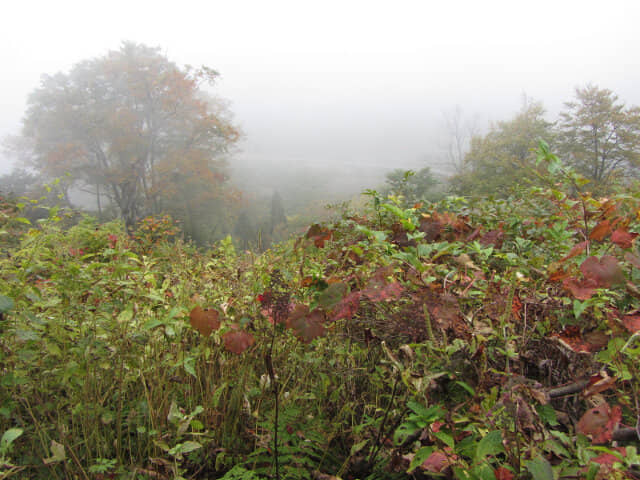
point(412, 186)
point(136, 127)
point(600, 136)
point(505, 156)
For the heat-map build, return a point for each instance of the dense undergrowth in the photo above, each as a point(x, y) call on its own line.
point(491, 339)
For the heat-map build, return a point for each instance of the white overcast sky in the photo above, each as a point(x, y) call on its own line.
point(342, 81)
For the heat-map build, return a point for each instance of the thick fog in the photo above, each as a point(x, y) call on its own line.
point(357, 83)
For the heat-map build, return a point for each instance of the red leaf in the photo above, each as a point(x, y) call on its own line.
point(571, 338)
point(581, 289)
point(600, 231)
point(306, 325)
point(604, 271)
point(599, 382)
point(632, 259)
point(609, 458)
point(347, 307)
point(494, 237)
point(204, 321)
point(376, 293)
point(631, 323)
point(576, 250)
point(436, 462)
point(237, 341)
point(623, 238)
point(600, 422)
point(503, 473)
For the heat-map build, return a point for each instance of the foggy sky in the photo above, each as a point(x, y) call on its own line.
point(358, 82)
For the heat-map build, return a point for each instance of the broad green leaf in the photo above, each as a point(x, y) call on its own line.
point(358, 446)
point(490, 444)
point(57, 453)
point(419, 458)
point(8, 438)
point(6, 304)
point(539, 468)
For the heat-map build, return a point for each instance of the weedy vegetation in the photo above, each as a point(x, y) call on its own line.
point(493, 339)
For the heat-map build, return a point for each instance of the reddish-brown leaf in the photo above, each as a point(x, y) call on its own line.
point(632, 259)
point(436, 462)
point(600, 422)
point(600, 231)
point(494, 237)
point(571, 338)
point(599, 382)
point(558, 275)
point(347, 307)
point(608, 458)
point(623, 238)
point(581, 289)
point(204, 321)
point(377, 292)
point(503, 473)
point(237, 341)
point(631, 323)
point(605, 271)
point(306, 325)
point(576, 250)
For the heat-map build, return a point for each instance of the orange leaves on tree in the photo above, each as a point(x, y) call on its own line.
point(600, 422)
point(204, 321)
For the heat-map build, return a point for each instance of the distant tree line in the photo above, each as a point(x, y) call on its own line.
point(141, 136)
point(596, 134)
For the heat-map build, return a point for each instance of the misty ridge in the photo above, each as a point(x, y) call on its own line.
point(131, 135)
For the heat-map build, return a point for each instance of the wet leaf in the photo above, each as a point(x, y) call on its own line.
point(600, 231)
point(306, 325)
point(347, 307)
point(237, 341)
point(605, 271)
point(204, 321)
point(503, 473)
point(581, 289)
point(632, 259)
point(600, 422)
point(623, 238)
point(631, 322)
